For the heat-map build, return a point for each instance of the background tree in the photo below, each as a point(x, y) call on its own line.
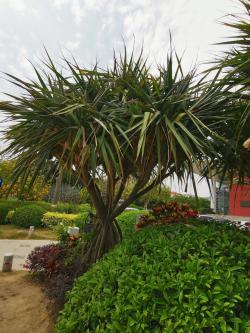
point(118, 124)
point(160, 193)
point(6, 170)
point(20, 191)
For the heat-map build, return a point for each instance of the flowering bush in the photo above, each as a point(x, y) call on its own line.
point(170, 212)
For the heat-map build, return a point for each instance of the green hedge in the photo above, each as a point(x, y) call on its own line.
point(127, 221)
point(5, 207)
point(52, 219)
point(165, 279)
point(8, 205)
point(67, 208)
point(61, 215)
point(28, 215)
point(200, 204)
point(85, 208)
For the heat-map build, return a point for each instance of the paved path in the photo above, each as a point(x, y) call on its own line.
point(231, 217)
point(20, 249)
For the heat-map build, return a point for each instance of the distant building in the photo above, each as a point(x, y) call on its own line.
point(239, 200)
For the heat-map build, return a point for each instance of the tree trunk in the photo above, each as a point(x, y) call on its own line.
point(106, 235)
point(58, 187)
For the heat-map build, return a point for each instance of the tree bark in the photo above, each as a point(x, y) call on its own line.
point(106, 235)
point(58, 187)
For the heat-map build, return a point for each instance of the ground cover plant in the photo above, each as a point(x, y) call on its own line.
point(169, 278)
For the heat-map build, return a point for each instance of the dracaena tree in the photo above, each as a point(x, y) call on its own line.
point(236, 64)
point(118, 124)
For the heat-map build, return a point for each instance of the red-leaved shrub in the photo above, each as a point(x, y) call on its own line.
point(45, 260)
point(170, 212)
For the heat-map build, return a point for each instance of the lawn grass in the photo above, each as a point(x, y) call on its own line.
point(13, 232)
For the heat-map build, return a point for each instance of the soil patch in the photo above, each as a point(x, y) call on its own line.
point(23, 306)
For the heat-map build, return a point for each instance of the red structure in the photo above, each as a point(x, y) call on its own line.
point(239, 200)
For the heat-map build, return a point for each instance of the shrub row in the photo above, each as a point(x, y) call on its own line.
point(52, 219)
point(26, 213)
point(127, 221)
point(171, 278)
point(5, 207)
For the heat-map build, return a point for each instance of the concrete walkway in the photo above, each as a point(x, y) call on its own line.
point(244, 219)
point(20, 249)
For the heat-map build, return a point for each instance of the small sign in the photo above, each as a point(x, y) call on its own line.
point(245, 204)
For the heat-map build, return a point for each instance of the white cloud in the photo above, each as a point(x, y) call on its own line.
point(59, 3)
point(77, 11)
point(72, 45)
point(59, 19)
point(23, 58)
point(18, 5)
point(22, 7)
point(79, 35)
point(80, 8)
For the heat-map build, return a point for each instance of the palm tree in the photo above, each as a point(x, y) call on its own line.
point(118, 124)
point(236, 63)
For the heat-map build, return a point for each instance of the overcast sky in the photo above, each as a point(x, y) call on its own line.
point(92, 29)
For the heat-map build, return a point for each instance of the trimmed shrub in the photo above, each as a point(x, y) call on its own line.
point(200, 204)
point(67, 208)
point(52, 219)
point(82, 219)
point(55, 264)
point(45, 260)
point(29, 215)
point(9, 216)
point(43, 204)
point(86, 208)
point(5, 207)
point(127, 221)
point(170, 278)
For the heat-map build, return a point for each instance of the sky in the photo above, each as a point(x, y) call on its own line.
point(91, 30)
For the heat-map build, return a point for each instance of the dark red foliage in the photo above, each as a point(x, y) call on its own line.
point(45, 259)
point(57, 266)
point(192, 213)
